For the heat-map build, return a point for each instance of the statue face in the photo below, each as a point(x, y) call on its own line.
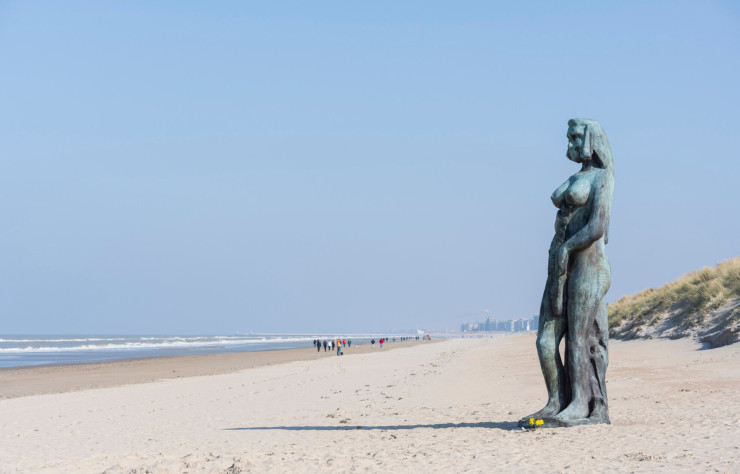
point(575, 143)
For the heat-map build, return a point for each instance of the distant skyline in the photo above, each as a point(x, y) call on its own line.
point(319, 167)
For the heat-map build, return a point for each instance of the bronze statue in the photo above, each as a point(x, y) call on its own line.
point(578, 277)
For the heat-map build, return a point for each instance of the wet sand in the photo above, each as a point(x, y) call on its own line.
point(22, 381)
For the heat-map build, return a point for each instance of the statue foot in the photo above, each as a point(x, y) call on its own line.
point(550, 410)
point(575, 411)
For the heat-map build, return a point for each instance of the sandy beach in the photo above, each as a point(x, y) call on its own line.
point(450, 406)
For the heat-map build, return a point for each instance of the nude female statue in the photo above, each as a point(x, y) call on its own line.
point(578, 277)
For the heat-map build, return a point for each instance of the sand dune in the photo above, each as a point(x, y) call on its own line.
point(704, 305)
point(450, 406)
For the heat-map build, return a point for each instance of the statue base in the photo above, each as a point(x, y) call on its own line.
point(556, 423)
point(599, 416)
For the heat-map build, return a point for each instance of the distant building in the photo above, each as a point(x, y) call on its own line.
point(522, 325)
point(508, 325)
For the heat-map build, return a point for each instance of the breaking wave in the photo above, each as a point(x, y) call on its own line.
point(9, 346)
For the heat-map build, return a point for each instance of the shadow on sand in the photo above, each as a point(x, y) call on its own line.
point(498, 425)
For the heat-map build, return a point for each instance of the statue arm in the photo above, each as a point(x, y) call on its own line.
point(594, 228)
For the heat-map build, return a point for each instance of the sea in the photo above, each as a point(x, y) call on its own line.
point(28, 350)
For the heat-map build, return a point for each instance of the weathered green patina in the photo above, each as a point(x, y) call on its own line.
point(578, 277)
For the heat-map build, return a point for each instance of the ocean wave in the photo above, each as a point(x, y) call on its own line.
point(87, 339)
point(134, 345)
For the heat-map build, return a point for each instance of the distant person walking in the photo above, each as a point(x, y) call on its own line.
point(318, 346)
point(381, 342)
point(339, 347)
point(372, 343)
point(349, 342)
point(324, 345)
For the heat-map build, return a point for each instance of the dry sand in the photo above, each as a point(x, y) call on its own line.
point(449, 407)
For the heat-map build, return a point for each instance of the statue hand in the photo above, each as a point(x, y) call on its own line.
point(558, 291)
point(557, 304)
point(563, 254)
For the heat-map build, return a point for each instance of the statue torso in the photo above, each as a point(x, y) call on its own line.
point(572, 198)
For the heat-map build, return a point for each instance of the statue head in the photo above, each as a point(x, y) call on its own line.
point(587, 141)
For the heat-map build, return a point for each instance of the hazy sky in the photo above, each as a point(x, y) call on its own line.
point(207, 167)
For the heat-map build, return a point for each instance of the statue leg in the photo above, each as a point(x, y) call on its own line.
point(549, 334)
point(586, 342)
point(598, 346)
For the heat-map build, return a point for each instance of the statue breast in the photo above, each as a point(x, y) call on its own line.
point(573, 192)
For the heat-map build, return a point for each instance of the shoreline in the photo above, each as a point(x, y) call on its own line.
point(25, 381)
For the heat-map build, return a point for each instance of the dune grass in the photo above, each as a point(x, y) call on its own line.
point(696, 295)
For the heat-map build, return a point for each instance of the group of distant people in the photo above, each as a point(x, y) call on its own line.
point(332, 344)
point(338, 344)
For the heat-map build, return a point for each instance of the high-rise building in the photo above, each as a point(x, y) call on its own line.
point(508, 325)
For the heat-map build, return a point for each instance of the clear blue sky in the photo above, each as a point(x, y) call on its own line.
point(206, 167)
